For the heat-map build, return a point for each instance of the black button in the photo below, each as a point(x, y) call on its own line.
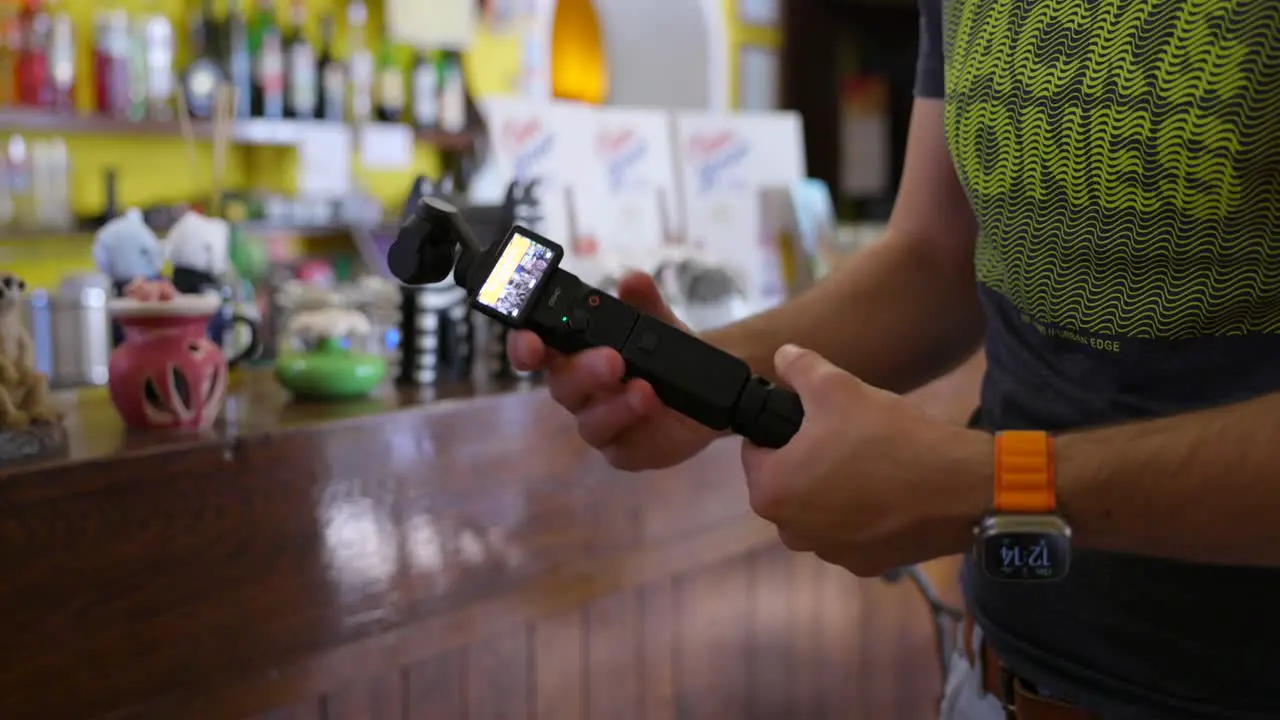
point(579, 320)
point(648, 342)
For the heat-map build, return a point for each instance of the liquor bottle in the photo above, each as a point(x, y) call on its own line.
point(202, 77)
point(267, 48)
point(453, 95)
point(34, 86)
point(238, 60)
point(333, 76)
point(302, 90)
point(10, 47)
point(137, 59)
point(18, 164)
point(62, 61)
point(426, 91)
point(160, 48)
point(390, 85)
point(361, 63)
point(111, 63)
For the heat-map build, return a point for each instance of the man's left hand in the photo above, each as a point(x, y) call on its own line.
point(870, 482)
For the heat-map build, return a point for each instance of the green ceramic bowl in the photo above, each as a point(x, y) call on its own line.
point(330, 372)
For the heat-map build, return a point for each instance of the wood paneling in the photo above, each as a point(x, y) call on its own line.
point(459, 560)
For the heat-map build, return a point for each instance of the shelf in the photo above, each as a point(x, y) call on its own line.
point(41, 234)
point(24, 120)
point(260, 228)
point(449, 142)
point(255, 132)
point(253, 227)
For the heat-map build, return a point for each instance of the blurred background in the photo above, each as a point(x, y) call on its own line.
point(653, 131)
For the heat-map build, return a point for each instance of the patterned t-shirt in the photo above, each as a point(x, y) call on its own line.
point(1122, 158)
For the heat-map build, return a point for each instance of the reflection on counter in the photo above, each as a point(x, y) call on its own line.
point(365, 552)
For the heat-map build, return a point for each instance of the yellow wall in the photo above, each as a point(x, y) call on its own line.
point(158, 170)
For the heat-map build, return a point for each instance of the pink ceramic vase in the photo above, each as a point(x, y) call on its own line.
point(167, 373)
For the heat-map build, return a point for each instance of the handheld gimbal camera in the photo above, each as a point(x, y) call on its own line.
point(519, 283)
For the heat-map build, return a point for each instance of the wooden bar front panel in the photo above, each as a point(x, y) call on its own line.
point(461, 561)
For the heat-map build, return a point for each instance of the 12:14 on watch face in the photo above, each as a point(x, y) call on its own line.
point(1025, 555)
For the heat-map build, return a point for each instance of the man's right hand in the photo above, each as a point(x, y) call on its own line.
point(625, 420)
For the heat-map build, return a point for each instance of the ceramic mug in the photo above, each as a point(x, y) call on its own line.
point(226, 320)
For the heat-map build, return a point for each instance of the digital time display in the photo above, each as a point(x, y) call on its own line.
point(1026, 556)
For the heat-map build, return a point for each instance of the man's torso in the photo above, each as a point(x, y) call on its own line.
point(1123, 161)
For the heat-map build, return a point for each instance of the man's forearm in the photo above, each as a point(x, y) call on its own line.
point(1203, 486)
point(893, 315)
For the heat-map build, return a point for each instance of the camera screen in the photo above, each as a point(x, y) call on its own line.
point(516, 275)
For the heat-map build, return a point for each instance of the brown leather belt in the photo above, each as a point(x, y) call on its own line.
point(1020, 703)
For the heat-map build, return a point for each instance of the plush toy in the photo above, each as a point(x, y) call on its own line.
point(198, 248)
point(24, 393)
point(125, 249)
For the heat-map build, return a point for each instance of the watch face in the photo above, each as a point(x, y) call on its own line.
point(1026, 555)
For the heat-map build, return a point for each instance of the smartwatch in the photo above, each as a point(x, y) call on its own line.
point(1023, 539)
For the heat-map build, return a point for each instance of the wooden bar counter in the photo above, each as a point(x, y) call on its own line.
point(464, 557)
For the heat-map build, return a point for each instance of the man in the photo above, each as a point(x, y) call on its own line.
point(1109, 172)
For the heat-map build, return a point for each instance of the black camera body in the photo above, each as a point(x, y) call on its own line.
point(519, 283)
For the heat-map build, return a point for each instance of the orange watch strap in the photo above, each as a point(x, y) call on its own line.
point(1024, 472)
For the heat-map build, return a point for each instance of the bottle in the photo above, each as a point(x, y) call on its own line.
point(102, 62)
point(62, 61)
point(202, 77)
point(160, 49)
point(20, 182)
point(333, 76)
point(361, 63)
point(111, 63)
point(138, 91)
point(426, 91)
point(453, 95)
point(238, 62)
point(34, 86)
point(303, 92)
point(267, 48)
point(6, 197)
point(390, 85)
point(10, 47)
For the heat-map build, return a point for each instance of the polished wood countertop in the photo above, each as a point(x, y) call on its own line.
point(418, 555)
point(256, 405)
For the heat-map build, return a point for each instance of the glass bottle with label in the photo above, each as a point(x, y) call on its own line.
point(333, 76)
point(238, 62)
point(111, 63)
point(362, 68)
point(267, 48)
point(10, 46)
point(160, 48)
point(303, 92)
point(203, 76)
point(137, 54)
point(390, 85)
point(62, 60)
point(426, 91)
point(453, 95)
point(6, 199)
point(21, 195)
point(34, 86)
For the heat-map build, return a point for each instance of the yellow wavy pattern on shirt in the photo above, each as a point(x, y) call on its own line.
point(1123, 159)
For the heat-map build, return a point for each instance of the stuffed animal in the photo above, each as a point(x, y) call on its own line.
point(24, 393)
point(199, 249)
point(125, 249)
